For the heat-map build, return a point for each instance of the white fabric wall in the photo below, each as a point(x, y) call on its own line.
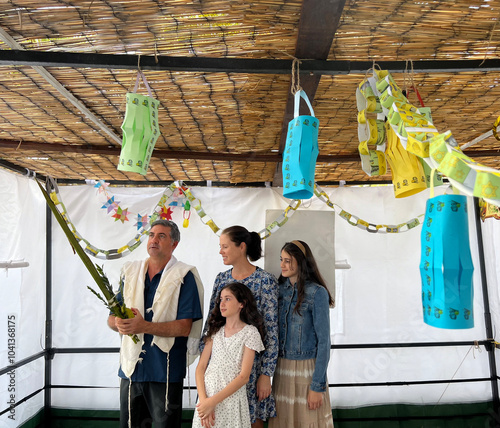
point(378, 300)
point(22, 294)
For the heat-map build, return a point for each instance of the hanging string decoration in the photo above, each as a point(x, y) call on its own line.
point(264, 233)
point(418, 136)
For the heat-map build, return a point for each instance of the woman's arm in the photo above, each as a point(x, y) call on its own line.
point(269, 309)
point(207, 406)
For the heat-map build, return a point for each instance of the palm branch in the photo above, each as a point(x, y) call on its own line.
point(108, 296)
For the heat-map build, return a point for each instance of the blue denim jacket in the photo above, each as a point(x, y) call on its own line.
point(305, 336)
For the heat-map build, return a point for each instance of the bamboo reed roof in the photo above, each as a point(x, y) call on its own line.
point(227, 125)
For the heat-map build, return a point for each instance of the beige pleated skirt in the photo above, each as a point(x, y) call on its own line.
point(291, 382)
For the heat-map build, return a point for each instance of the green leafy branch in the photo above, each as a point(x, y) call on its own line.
point(108, 296)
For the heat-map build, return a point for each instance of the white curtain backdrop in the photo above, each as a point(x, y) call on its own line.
point(22, 295)
point(378, 299)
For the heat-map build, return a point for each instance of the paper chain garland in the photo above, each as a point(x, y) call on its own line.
point(206, 219)
point(379, 98)
point(116, 252)
point(362, 224)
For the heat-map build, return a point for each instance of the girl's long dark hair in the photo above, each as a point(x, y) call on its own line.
point(307, 271)
point(249, 313)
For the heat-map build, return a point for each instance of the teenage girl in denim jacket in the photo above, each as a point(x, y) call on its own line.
point(300, 386)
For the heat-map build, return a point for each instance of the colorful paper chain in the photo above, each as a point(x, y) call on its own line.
point(206, 219)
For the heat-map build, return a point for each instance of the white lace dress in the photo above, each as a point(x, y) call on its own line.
point(224, 366)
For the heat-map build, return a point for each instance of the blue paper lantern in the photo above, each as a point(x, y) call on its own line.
point(446, 264)
point(301, 152)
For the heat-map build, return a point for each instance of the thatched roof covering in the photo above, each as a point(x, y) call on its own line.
point(227, 125)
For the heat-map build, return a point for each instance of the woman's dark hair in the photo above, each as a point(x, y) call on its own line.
point(249, 313)
point(307, 271)
point(239, 234)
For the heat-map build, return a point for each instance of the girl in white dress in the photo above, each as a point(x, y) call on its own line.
point(235, 333)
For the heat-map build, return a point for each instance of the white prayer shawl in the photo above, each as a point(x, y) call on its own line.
point(164, 308)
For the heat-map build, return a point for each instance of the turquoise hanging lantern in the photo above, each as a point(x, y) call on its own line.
point(446, 264)
point(301, 152)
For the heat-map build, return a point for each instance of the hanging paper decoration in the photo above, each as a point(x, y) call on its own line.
point(166, 213)
point(121, 214)
point(101, 185)
point(111, 204)
point(371, 130)
point(446, 265)
point(301, 152)
point(140, 129)
point(408, 176)
point(186, 214)
point(487, 210)
point(440, 151)
point(142, 221)
point(379, 98)
point(465, 174)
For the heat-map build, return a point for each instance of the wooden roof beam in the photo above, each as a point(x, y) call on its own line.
point(319, 67)
point(44, 148)
point(163, 153)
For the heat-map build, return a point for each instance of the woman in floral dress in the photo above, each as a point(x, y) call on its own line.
point(238, 247)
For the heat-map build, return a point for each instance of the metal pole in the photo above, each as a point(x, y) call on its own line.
point(48, 319)
point(487, 318)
